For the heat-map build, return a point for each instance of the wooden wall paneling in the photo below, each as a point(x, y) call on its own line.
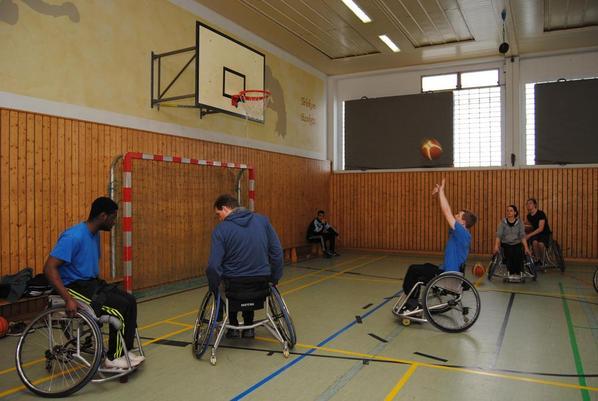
point(38, 204)
point(21, 199)
point(5, 191)
point(30, 190)
point(13, 200)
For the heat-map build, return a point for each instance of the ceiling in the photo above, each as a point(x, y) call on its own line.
point(328, 36)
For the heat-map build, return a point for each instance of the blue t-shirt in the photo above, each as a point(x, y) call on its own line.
point(457, 248)
point(80, 251)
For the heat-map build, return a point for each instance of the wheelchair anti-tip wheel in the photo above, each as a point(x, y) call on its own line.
point(451, 303)
point(282, 317)
point(205, 323)
point(57, 355)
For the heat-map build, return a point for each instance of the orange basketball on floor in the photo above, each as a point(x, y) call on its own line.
point(431, 149)
point(478, 270)
point(3, 326)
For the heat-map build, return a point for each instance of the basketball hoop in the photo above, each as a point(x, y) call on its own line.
point(253, 102)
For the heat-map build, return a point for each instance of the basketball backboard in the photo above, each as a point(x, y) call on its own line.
point(224, 67)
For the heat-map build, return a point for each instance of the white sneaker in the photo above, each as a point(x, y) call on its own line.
point(135, 359)
point(119, 363)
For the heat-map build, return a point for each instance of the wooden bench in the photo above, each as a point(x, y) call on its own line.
point(302, 252)
point(23, 309)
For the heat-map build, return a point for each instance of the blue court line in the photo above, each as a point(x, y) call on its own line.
point(297, 360)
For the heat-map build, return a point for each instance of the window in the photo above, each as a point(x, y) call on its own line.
point(477, 140)
point(530, 125)
point(439, 82)
point(477, 127)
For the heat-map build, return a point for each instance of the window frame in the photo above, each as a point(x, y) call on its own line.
point(459, 87)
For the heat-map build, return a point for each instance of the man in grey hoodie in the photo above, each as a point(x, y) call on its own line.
point(244, 245)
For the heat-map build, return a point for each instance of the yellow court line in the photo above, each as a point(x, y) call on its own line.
point(478, 281)
point(372, 280)
point(159, 322)
point(167, 335)
point(558, 295)
point(301, 287)
point(449, 368)
point(292, 280)
point(390, 396)
point(180, 324)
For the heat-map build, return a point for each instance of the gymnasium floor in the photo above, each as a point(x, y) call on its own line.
point(533, 341)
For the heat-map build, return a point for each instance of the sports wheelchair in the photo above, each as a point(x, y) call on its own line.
point(498, 268)
point(449, 302)
point(552, 257)
point(213, 318)
point(57, 354)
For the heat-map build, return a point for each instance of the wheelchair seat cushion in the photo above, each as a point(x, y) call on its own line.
point(246, 293)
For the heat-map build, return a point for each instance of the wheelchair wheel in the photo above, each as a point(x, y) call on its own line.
point(451, 303)
point(205, 323)
point(57, 355)
point(282, 317)
point(595, 281)
point(496, 267)
point(558, 254)
point(529, 267)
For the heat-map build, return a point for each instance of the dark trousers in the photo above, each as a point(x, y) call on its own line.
point(326, 240)
point(417, 273)
point(247, 317)
point(513, 257)
point(107, 299)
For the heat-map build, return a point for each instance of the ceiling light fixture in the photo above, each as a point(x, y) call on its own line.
point(389, 43)
point(357, 11)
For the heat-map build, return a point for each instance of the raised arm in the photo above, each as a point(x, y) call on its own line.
point(444, 205)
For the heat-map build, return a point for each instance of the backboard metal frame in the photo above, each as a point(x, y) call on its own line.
point(166, 98)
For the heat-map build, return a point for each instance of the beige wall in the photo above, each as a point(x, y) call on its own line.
point(96, 53)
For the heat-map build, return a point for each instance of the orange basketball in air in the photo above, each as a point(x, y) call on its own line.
point(478, 270)
point(431, 149)
point(3, 326)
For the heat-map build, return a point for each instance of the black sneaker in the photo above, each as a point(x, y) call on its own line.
point(233, 333)
point(336, 254)
point(248, 333)
point(327, 254)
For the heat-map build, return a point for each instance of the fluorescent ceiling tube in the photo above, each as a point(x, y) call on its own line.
point(357, 11)
point(389, 43)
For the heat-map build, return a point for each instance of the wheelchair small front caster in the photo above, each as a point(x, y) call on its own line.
point(406, 322)
point(213, 360)
point(285, 351)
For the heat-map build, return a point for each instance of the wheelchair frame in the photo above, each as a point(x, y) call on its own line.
point(498, 268)
point(453, 289)
point(552, 256)
point(78, 331)
point(277, 321)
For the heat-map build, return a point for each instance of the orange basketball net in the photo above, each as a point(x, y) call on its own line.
point(253, 102)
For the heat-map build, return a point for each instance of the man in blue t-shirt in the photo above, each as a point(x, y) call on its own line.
point(73, 270)
point(455, 251)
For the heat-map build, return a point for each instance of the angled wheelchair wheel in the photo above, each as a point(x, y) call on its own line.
point(205, 323)
point(57, 355)
point(529, 267)
point(558, 254)
point(496, 267)
point(282, 317)
point(451, 303)
point(595, 280)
